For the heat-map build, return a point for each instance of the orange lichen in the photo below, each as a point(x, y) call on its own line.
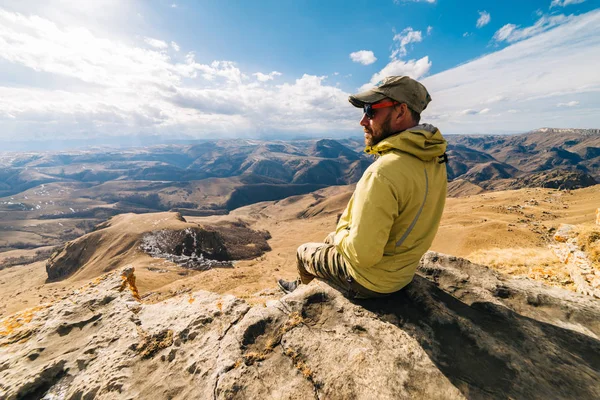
point(150, 345)
point(294, 320)
point(306, 371)
point(300, 365)
point(252, 357)
point(129, 280)
point(12, 323)
point(220, 305)
point(191, 299)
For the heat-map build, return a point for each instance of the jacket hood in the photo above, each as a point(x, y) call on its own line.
point(422, 141)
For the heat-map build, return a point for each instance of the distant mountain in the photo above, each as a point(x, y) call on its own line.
point(489, 171)
point(546, 157)
point(322, 162)
point(67, 193)
point(70, 191)
point(327, 148)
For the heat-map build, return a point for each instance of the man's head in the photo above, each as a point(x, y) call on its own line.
point(393, 105)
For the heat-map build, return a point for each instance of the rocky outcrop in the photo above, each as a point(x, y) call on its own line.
point(568, 250)
point(459, 330)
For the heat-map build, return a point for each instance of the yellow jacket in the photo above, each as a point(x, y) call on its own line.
point(395, 210)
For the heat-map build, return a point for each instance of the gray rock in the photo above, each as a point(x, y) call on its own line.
point(459, 330)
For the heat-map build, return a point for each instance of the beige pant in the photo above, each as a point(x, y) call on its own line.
point(322, 261)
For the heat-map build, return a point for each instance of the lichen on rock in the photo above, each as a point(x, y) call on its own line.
point(459, 330)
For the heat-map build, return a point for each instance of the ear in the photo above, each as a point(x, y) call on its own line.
point(402, 111)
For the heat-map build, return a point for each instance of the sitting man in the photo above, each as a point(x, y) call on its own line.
point(395, 211)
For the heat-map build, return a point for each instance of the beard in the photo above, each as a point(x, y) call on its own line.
point(377, 134)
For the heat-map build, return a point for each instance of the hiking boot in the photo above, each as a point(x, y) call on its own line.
point(288, 286)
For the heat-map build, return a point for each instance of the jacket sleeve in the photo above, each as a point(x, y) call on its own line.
point(372, 212)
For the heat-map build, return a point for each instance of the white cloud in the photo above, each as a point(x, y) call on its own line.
point(512, 33)
point(131, 90)
point(564, 3)
point(484, 19)
point(217, 69)
point(466, 34)
point(568, 104)
point(90, 84)
point(525, 82)
point(505, 32)
point(495, 99)
point(175, 46)
point(413, 68)
point(470, 111)
point(156, 43)
point(404, 38)
point(266, 77)
point(173, 5)
point(365, 57)
point(429, 30)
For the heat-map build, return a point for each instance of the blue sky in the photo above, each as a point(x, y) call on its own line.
point(197, 69)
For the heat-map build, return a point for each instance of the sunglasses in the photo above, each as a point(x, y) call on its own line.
point(369, 108)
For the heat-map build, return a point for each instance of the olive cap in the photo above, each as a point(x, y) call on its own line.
point(400, 88)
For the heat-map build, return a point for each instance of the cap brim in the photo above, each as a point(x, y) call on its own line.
point(368, 97)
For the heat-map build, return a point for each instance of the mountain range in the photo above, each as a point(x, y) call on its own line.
point(69, 192)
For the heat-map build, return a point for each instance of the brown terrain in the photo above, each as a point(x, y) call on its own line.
point(64, 195)
point(507, 230)
point(223, 234)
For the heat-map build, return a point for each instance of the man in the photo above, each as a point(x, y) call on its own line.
point(396, 207)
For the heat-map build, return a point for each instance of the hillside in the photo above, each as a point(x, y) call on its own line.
point(193, 301)
point(522, 157)
point(509, 231)
point(50, 198)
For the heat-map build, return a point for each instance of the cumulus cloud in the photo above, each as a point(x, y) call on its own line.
point(364, 57)
point(227, 70)
point(564, 3)
point(404, 38)
point(106, 86)
point(133, 90)
point(484, 19)
point(175, 46)
point(568, 104)
point(413, 68)
point(156, 43)
point(512, 33)
point(429, 30)
point(266, 77)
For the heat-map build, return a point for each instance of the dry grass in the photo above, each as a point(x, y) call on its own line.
point(533, 262)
